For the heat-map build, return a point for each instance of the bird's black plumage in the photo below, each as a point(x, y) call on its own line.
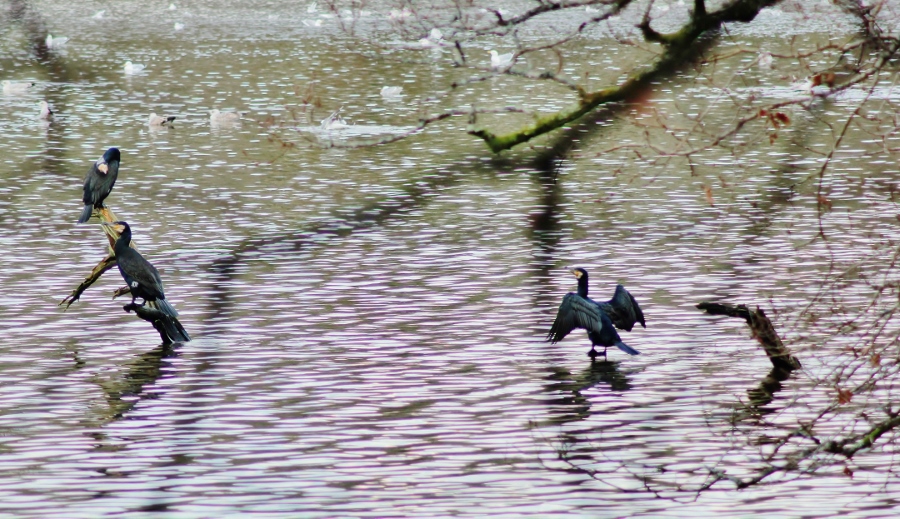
point(599, 319)
point(142, 277)
point(99, 182)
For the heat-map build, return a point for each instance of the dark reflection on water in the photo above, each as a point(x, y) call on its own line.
point(126, 390)
point(572, 404)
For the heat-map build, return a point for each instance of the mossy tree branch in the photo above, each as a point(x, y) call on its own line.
point(678, 46)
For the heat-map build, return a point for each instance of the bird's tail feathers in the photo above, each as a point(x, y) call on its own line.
point(174, 330)
point(626, 348)
point(163, 306)
point(86, 214)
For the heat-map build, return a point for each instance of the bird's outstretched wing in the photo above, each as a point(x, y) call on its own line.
point(623, 310)
point(575, 312)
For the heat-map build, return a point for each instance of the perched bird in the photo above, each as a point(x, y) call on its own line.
point(15, 87)
point(133, 68)
point(142, 277)
point(501, 61)
point(45, 113)
point(160, 120)
point(55, 43)
point(99, 182)
point(579, 311)
point(224, 118)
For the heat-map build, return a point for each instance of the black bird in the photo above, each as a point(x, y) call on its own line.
point(579, 311)
point(142, 277)
point(99, 182)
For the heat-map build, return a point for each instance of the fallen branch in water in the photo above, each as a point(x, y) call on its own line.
point(762, 330)
point(169, 328)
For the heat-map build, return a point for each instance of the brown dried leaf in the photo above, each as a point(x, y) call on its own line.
point(875, 360)
point(782, 117)
point(844, 396)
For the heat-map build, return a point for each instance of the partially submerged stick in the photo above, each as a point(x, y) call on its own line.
point(169, 328)
point(762, 329)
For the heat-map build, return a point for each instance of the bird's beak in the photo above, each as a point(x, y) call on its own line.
point(575, 273)
point(103, 167)
point(116, 227)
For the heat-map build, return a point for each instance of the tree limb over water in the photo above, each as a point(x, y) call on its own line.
point(677, 47)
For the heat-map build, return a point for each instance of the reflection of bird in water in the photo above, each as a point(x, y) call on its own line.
point(160, 120)
point(579, 311)
point(573, 403)
point(142, 278)
point(99, 182)
point(605, 372)
point(45, 113)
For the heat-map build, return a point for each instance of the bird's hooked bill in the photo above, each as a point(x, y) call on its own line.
point(103, 167)
point(115, 225)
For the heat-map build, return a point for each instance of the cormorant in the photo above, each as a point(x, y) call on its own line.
point(579, 311)
point(99, 182)
point(142, 277)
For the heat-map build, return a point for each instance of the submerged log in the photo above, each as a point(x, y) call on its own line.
point(762, 329)
point(169, 328)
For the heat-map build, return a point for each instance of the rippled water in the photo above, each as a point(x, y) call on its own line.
point(369, 323)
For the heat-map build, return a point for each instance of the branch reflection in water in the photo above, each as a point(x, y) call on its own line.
point(124, 390)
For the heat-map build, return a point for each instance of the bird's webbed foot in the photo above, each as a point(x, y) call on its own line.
point(593, 354)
